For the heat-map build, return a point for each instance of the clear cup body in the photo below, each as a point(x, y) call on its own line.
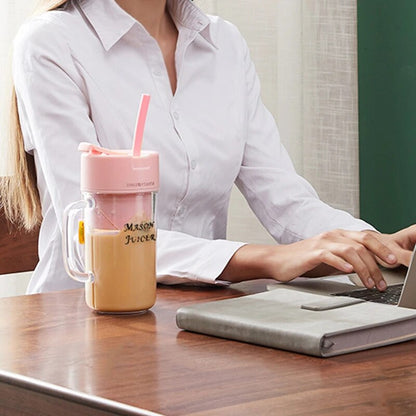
point(119, 236)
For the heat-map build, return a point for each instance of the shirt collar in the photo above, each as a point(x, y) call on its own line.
point(111, 22)
point(186, 14)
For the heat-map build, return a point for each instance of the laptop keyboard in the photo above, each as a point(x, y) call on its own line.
point(390, 296)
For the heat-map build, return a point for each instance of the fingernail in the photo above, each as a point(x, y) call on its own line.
point(382, 285)
point(370, 282)
point(391, 258)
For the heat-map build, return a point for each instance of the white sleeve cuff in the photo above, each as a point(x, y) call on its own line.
point(185, 259)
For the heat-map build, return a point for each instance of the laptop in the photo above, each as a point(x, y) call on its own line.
point(397, 293)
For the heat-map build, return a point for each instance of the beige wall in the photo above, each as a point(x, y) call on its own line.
point(12, 14)
point(305, 55)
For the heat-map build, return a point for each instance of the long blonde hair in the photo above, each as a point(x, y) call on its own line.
point(19, 196)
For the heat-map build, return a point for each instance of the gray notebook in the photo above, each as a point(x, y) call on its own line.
point(303, 322)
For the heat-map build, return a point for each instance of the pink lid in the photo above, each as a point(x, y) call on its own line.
point(118, 171)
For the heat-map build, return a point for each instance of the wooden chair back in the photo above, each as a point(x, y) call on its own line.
point(18, 249)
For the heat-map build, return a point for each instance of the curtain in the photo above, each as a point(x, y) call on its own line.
point(306, 56)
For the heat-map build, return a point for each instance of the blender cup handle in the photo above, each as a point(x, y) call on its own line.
point(69, 240)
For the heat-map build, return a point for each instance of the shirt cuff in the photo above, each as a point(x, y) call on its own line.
point(201, 262)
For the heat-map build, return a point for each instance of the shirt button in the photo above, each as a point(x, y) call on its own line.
point(157, 72)
point(180, 210)
point(193, 164)
point(176, 115)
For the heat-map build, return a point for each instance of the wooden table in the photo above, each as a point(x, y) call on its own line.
point(59, 358)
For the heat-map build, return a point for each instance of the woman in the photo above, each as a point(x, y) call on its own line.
point(79, 70)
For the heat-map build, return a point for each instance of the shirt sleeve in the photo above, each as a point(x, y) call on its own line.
point(286, 204)
point(54, 113)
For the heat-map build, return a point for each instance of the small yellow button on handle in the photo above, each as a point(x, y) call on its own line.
point(81, 235)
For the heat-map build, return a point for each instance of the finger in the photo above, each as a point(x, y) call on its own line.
point(369, 240)
point(403, 257)
point(375, 273)
point(337, 262)
point(364, 265)
point(406, 237)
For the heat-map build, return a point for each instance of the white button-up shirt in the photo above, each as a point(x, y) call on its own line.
point(79, 72)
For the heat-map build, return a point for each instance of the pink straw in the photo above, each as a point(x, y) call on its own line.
point(141, 120)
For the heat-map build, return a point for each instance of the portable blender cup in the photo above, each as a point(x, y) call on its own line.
point(117, 229)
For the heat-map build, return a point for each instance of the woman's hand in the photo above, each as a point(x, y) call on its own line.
point(400, 243)
point(337, 251)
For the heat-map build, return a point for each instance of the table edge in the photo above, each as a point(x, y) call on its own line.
point(62, 393)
